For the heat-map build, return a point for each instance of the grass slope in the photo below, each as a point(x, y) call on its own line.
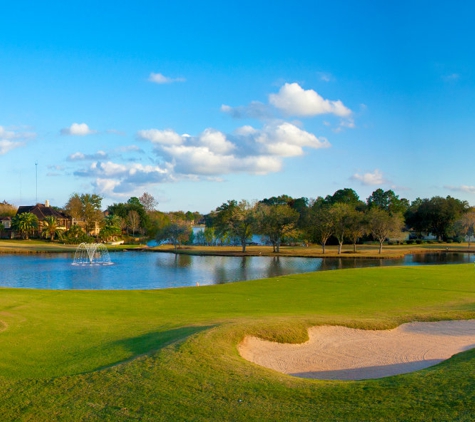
point(171, 354)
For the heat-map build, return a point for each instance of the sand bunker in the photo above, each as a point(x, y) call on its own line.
point(340, 353)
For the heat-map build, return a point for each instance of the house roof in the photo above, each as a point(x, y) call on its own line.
point(41, 211)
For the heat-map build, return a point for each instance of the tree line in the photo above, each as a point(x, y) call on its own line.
point(343, 218)
point(339, 218)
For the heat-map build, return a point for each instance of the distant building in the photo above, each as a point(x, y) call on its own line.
point(44, 210)
point(6, 222)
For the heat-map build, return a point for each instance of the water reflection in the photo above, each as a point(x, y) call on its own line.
point(140, 270)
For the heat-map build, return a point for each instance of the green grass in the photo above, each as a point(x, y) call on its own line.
point(171, 354)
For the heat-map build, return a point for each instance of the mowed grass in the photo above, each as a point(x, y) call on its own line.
point(172, 355)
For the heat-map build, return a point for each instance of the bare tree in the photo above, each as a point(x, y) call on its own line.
point(133, 221)
point(148, 202)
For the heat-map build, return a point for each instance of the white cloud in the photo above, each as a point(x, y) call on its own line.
point(115, 179)
point(7, 146)
point(287, 140)
point(371, 179)
point(216, 141)
point(293, 100)
point(158, 78)
point(461, 188)
point(212, 153)
point(78, 129)
point(10, 139)
point(79, 156)
point(163, 137)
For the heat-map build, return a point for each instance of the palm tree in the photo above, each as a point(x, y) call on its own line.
point(25, 223)
point(51, 228)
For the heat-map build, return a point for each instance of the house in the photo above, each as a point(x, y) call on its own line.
point(5, 227)
point(6, 222)
point(45, 210)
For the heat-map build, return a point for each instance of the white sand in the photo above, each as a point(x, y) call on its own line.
point(340, 353)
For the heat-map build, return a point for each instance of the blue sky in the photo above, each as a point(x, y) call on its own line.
point(200, 102)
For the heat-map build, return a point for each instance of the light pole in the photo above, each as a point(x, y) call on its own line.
point(36, 168)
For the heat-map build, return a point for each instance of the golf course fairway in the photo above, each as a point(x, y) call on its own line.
point(173, 354)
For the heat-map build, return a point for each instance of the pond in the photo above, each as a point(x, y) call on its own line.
point(146, 270)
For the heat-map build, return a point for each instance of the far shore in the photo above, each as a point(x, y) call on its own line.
point(365, 251)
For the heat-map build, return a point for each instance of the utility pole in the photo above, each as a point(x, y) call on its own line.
point(36, 167)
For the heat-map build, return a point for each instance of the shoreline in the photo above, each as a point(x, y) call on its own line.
point(313, 251)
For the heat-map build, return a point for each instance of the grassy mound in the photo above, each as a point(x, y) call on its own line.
point(171, 354)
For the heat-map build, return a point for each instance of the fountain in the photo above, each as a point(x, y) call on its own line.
point(91, 254)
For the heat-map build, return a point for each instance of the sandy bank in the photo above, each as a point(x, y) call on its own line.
point(340, 353)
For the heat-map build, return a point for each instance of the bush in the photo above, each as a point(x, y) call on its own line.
point(84, 238)
point(410, 241)
point(419, 241)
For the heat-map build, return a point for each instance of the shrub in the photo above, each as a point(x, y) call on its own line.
point(410, 241)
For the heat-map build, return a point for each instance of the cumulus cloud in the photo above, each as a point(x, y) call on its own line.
point(251, 150)
point(207, 156)
point(116, 179)
point(158, 78)
point(371, 179)
point(162, 137)
point(461, 188)
point(78, 129)
point(11, 139)
point(293, 100)
point(287, 140)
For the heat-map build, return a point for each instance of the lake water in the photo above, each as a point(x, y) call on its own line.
point(147, 270)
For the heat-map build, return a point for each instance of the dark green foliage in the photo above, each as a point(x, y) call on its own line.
point(388, 201)
point(435, 215)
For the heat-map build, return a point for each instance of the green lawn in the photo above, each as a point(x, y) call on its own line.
point(171, 354)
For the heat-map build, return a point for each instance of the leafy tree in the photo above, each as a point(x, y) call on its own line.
point(340, 214)
point(209, 235)
point(25, 223)
point(466, 225)
point(200, 237)
point(87, 208)
point(388, 201)
point(123, 209)
point(319, 223)
point(176, 232)
point(346, 196)
point(156, 221)
point(356, 226)
point(435, 215)
point(75, 232)
point(50, 228)
point(277, 222)
point(237, 220)
point(381, 225)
